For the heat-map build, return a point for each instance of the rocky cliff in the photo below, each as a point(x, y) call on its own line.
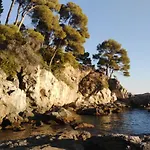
point(40, 90)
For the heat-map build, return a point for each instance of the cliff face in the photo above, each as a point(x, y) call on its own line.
point(12, 99)
point(45, 90)
point(40, 90)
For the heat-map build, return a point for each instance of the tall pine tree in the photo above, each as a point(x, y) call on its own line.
point(1, 7)
point(112, 57)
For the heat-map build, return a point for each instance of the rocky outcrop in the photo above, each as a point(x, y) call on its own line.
point(64, 116)
point(118, 89)
point(94, 89)
point(102, 109)
point(12, 99)
point(38, 90)
point(45, 90)
point(139, 100)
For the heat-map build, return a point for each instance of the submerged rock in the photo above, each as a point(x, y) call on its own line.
point(83, 126)
point(64, 116)
point(103, 109)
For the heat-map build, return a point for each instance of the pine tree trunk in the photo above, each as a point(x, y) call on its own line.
point(18, 11)
point(111, 73)
point(24, 15)
point(51, 61)
point(56, 49)
point(9, 12)
point(21, 22)
point(107, 70)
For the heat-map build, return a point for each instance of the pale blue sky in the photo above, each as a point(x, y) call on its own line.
point(128, 22)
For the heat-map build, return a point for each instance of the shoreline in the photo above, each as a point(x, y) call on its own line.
point(75, 140)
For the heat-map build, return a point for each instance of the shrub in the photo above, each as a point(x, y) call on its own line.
point(61, 58)
point(9, 32)
point(8, 63)
point(69, 58)
point(35, 35)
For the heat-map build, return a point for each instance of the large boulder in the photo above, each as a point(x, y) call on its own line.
point(114, 142)
point(45, 90)
point(12, 99)
point(118, 89)
point(94, 88)
point(65, 116)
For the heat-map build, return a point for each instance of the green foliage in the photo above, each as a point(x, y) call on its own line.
point(60, 59)
point(65, 29)
point(9, 32)
point(74, 23)
point(72, 13)
point(85, 59)
point(69, 58)
point(62, 27)
point(43, 14)
point(112, 57)
point(35, 35)
point(74, 41)
point(8, 63)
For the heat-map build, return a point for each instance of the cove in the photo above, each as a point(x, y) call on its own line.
point(131, 122)
point(135, 122)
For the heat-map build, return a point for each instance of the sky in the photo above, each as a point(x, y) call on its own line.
point(127, 22)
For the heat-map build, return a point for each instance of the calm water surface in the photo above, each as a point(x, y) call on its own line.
point(136, 121)
point(133, 122)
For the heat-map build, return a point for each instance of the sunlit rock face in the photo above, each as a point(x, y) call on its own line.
point(118, 89)
point(40, 90)
point(12, 99)
point(46, 90)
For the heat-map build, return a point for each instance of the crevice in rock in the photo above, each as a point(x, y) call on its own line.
point(10, 78)
point(5, 123)
point(20, 78)
point(11, 91)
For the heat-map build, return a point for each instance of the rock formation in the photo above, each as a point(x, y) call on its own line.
point(39, 90)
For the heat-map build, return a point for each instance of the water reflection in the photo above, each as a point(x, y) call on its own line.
point(129, 122)
point(30, 131)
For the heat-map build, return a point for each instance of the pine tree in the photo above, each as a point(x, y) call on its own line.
point(112, 57)
point(1, 7)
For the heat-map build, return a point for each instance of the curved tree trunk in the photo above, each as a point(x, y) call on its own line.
point(17, 17)
point(21, 22)
point(9, 12)
point(56, 49)
point(111, 73)
point(51, 61)
point(24, 15)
